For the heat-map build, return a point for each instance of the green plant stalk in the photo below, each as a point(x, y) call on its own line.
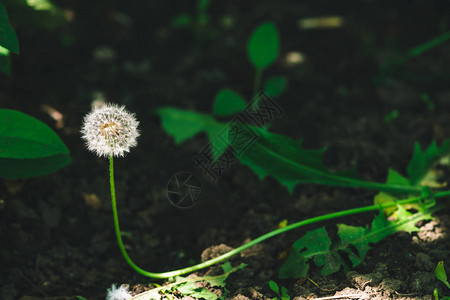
point(257, 82)
point(416, 51)
point(249, 244)
point(391, 64)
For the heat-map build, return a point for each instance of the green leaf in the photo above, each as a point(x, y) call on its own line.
point(440, 274)
point(274, 286)
point(284, 294)
point(187, 286)
point(422, 162)
point(263, 46)
point(294, 267)
point(5, 61)
point(28, 147)
point(26, 168)
point(190, 289)
point(328, 255)
point(226, 267)
point(355, 236)
point(227, 103)
point(396, 178)
point(22, 136)
point(275, 85)
point(317, 244)
point(286, 160)
point(8, 38)
point(185, 124)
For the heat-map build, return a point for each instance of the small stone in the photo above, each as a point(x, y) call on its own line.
point(360, 281)
point(215, 251)
point(391, 285)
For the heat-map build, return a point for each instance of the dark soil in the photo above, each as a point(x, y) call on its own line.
point(56, 231)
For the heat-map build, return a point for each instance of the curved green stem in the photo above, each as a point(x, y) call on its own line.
point(249, 244)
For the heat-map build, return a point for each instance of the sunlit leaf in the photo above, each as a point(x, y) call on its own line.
point(28, 147)
point(8, 38)
point(5, 61)
point(36, 13)
point(440, 274)
point(22, 136)
point(328, 256)
point(190, 287)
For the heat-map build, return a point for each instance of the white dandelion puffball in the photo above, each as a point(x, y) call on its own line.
point(118, 293)
point(110, 130)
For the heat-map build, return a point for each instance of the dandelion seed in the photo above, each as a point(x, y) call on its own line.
point(110, 130)
point(118, 293)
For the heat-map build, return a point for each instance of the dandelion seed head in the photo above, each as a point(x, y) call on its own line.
point(118, 293)
point(110, 130)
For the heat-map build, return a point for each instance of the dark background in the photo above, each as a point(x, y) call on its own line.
point(56, 231)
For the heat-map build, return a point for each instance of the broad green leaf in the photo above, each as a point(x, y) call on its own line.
point(5, 61)
point(275, 85)
point(286, 160)
point(8, 38)
point(329, 256)
point(440, 274)
point(316, 245)
point(13, 168)
point(353, 235)
point(22, 136)
point(294, 267)
point(227, 102)
point(263, 46)
point(185, 124)
point(423, 161)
